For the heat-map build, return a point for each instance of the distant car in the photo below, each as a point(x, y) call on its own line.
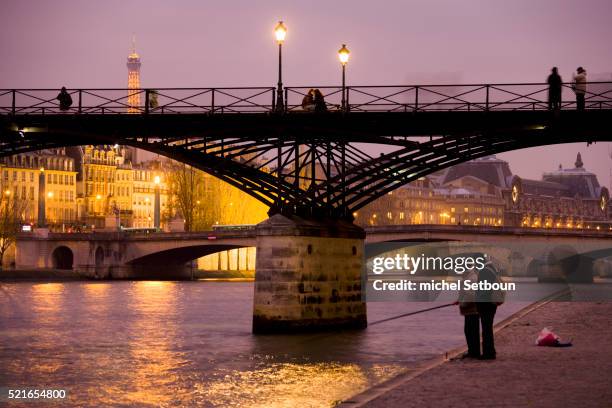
point(241, 227)
point(133, 230)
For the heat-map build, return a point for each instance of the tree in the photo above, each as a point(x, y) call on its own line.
point(12, 211)
point(203, 200)
point(184, 183)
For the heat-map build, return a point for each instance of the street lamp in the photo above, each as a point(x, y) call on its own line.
point(156, 208)
point(343, 55)
point(280, 31)
point(42, 198)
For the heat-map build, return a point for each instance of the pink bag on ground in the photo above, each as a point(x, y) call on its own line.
point(547, 338)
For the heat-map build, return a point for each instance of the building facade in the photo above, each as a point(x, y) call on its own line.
point(45, 184)
point(113, 191)
point(485, 192)
point(565, 198)
point(149, 180)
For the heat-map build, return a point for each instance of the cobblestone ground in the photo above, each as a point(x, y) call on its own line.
point(525, 375)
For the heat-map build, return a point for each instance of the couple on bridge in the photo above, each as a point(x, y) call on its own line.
point(555, 85)
point(314, 101)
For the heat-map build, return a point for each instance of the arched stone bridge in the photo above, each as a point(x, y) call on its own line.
point(122, 255)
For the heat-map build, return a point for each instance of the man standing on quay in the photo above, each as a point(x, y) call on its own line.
point(479, 308)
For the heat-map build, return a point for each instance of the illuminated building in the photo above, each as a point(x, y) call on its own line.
point(485, 192)
point(425, 202)
point(21, 180)
point(565, 198)
point(122, 197)
point(110, 186)
point(240, 259)
point(133, 98)
point(143, 194)
point(133, 66)
point(96, 166)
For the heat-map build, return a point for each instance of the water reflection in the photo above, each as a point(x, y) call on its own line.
point(284, 385)
point(46, 299)
point(151, 347)
point(189, 343)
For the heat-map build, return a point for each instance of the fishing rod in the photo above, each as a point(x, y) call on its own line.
point(411, 313)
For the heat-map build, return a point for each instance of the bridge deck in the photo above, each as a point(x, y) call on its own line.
point(359, 126)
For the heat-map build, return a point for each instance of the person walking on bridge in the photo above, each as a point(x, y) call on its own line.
point(580, 86)
point(319, 101)
point(554, 90)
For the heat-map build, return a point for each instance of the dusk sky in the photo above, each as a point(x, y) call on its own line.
point(47, 44)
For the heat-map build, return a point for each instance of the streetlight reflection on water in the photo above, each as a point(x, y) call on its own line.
point(152, 340)
point(176, 344)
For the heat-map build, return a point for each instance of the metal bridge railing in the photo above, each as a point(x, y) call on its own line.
point(453, 97)
point(149, 101)
point(386, 98)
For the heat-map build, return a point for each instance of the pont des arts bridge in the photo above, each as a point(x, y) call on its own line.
point(312, 169)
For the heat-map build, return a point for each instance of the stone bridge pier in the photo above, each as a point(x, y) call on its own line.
point(308, 275)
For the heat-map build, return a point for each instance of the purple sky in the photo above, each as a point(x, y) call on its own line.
point(230, 43)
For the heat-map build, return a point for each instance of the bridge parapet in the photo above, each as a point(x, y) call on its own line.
point(261, 100)
point(472, 230)
point(129, 236)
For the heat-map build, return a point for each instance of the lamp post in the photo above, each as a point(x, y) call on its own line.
point(343, 55)
point(280, 32)
point(41, 198)
point(156, 209)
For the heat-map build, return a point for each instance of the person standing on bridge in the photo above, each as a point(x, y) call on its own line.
point(319, 101)
point(554, 90)
point(64, 98)
point(580, 86)
point(308, 103)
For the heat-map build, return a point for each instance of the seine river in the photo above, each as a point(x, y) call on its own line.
point(189, 343)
